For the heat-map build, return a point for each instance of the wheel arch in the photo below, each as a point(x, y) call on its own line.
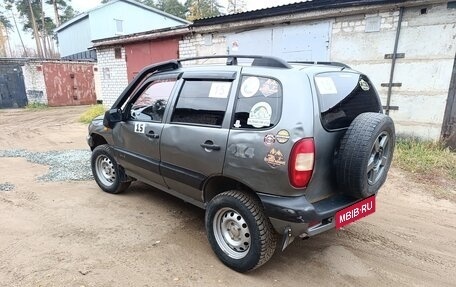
point(97, 140)
point(219, 183)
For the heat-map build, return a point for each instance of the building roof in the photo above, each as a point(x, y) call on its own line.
point(143, 36)
point(132, 2)
point(303, 6)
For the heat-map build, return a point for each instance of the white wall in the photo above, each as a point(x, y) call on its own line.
point(76, 38)
point(429, 44)
point(135, 19)
point(35, 85)
point(113, 75)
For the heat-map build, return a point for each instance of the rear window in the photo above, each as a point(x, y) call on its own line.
point(343, 96)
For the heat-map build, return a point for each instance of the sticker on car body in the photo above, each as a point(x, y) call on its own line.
point(274, 158)
point(260, 115)
point(220, 90)
point(282, 136)
point(325, 85)
point(140, 128)
point(250, 87)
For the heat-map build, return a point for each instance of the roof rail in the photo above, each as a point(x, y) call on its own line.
point(321, 63)
point(232, 60)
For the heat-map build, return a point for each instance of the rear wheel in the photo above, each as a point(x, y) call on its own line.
point(237, 229)
point(365, 154)
point(107, 173)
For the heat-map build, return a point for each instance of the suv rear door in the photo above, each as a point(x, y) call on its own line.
point(193, 143)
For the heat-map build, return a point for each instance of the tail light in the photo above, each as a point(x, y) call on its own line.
point(301, 163)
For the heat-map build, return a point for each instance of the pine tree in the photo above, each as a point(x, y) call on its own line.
point(235, 6)
point(173, 7)
point(199, 9)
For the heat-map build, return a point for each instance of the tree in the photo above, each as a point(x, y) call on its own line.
point(5, 22)
point(173, 7)
point(62, 11)
point(235, 6)
point(199, 9)
point(9, 7)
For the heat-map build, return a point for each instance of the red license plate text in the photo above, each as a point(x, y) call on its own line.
point(355, 212)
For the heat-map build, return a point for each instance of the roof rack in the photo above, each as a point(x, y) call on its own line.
point(321, 63)
point(232, 60)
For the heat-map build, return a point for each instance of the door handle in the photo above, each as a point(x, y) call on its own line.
point(210, 145)
point(152, 135)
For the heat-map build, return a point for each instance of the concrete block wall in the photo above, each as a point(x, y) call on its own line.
point(113, 75)
point(35, 85)
point(428, 41)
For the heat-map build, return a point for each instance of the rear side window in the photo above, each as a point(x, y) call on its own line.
point(259, 103)
point(202, 102)
point(343, 96)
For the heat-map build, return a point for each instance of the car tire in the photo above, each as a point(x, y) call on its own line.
point(238, 231)
point(107, 173)
point(365, 154)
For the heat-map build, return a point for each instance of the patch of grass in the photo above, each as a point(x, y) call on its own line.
point(429, 160)
point(93, 112)
point(36, 106)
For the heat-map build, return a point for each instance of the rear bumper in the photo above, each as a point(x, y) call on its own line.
point(301, 217)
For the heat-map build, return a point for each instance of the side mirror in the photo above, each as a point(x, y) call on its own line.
point(112, 117)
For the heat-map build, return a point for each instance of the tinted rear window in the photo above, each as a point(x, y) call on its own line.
point(343, 96)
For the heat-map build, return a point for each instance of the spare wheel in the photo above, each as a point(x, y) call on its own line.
point(365, 154)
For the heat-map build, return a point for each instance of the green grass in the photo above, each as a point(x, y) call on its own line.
point(93, 112)
point(425, 158)
point(36, 106)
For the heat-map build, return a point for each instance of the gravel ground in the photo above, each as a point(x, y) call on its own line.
point(63, 165)
point(6, 186)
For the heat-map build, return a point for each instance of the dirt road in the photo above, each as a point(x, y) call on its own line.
point(73, 234)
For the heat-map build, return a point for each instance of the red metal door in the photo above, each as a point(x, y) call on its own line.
point(69, 84)
point(139, 55)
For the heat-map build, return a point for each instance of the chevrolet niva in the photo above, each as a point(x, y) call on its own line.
point(272, 150)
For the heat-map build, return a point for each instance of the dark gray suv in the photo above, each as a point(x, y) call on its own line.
point(272, 150)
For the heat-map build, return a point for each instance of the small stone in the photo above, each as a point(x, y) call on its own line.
point(176, 279)
point(84, 272)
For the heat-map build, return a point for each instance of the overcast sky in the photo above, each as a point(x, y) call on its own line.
point(84, 5)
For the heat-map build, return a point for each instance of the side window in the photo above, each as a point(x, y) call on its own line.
point(343, 96)
point(202, 102)
point(259, 103)
point(151, 103)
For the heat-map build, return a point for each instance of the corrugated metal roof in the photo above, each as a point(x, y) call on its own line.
point(287, 9)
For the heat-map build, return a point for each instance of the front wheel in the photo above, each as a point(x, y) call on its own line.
point(240, 234)
point(106, 171)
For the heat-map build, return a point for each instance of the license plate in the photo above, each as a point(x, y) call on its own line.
point(355, 212)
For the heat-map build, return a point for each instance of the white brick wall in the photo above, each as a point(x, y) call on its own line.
point(195, 45)
point(35, 86)
point(113, 75)
point(424, 73)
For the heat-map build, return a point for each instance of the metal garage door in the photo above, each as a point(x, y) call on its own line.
point(139, 55)
point(304, 42)
point(12, 88)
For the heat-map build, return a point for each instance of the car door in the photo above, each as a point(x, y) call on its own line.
point(137, 139)
point(193, 143)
